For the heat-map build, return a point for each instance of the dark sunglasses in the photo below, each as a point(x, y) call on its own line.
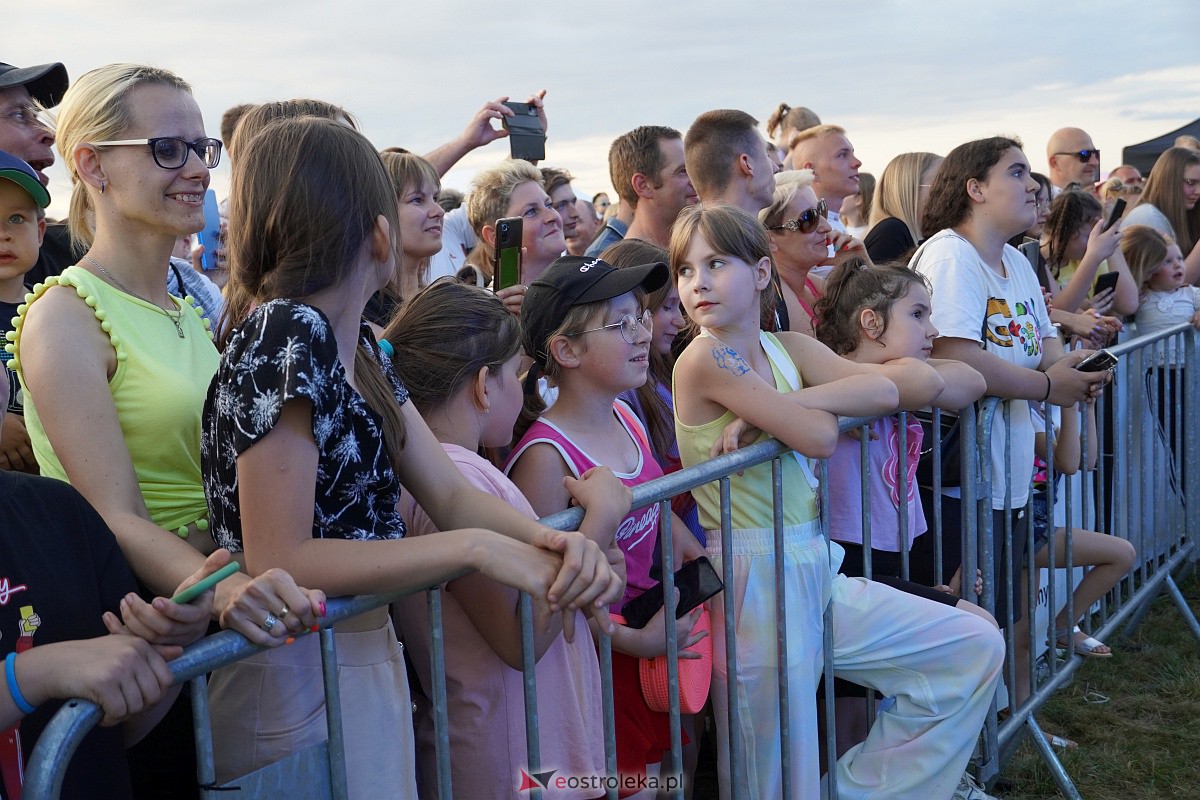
point(171, 152)
point(1084, 156)
point(807, 221)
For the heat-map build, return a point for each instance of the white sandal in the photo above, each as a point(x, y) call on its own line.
point(1086, 647)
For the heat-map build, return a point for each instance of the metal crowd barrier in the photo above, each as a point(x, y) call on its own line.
point(1146, 477)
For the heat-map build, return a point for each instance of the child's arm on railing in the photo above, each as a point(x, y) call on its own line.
point(964, 384)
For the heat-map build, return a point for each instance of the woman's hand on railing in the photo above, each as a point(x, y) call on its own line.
point(270, 608)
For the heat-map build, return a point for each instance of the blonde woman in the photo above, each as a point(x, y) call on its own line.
point(895, 222)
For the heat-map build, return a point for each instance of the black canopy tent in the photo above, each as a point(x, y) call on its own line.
point(1144, 154)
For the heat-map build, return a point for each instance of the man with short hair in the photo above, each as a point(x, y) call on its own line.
point(1128, 175)
point(828, 153)
point(1073, 159)
point(649, 173)
point(557, 183)
point(728, 162)
point(589, 226)
point(24, 91)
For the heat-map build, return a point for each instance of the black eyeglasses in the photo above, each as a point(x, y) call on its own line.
point(171, 152)
point(628, 324)
point(1084, 156)
point(807, 221)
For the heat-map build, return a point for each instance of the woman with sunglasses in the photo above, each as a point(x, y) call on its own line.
point(115, 369)
point(1169, 204)
point(800, 239)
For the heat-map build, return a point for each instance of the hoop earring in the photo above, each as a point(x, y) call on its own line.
point(103, 185)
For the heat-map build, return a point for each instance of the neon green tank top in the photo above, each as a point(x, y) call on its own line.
point(158, 388)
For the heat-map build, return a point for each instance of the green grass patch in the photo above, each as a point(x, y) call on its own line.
point(1144, 743)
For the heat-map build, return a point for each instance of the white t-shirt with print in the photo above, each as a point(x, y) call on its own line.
point(1008, 317)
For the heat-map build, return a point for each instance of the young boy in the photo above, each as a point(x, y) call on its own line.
point(23, 201)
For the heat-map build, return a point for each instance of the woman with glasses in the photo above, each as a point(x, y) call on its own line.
point(800, 238)
point(115, 369)
point(1169, 204)
point(895, 223)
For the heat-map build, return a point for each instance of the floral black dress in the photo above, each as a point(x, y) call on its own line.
point(283, 351)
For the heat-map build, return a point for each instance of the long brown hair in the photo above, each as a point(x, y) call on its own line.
point(445, 335)
point(1070, 211)
point(304, 199)
point(949, 205)
point(1164, 190)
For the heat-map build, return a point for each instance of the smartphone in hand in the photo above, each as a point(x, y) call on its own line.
point(696, 581)
point(1097, 362)
point(506, 265)
point(1117, 210)
point(526, 136)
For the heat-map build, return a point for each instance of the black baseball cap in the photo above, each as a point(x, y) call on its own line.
point(572, 281)
point(46, 82)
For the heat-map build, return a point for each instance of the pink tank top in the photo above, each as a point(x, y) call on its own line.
point(639, 531)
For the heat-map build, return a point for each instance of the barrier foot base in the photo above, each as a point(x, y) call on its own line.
point(1184, 610)
point(1065, 784)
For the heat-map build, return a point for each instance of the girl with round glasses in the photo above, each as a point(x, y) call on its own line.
point(115, 369)
point(800, 238)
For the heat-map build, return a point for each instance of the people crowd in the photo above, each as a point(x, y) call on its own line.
point(343, 399)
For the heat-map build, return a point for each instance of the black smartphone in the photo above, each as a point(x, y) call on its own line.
point(1117, 210)
point(1097, 362)
point(1106, 281)
point(506, 265)
point(696, 581)
point(526, 136)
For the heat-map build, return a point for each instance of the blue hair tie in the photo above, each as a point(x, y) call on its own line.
point(386, 348)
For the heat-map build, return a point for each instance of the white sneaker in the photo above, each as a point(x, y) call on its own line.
point(969, 789)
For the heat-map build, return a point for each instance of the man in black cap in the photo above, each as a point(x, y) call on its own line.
point(24, 91)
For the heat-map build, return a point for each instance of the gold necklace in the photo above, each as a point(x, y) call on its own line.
point(113, 279)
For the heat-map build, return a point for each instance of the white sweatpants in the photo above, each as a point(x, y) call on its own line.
point(941, 664)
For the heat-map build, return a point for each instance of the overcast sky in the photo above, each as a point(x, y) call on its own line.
point(899, 75)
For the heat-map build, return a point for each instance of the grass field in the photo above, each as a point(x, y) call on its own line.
point(1144, 743)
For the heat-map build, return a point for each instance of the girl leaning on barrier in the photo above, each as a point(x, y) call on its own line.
point(989, 312)
point(791, 386)
point(307, 439)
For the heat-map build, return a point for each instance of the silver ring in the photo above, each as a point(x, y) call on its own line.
point(283, 613)
point(270, 622)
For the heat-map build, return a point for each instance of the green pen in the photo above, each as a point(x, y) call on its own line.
point(200, 587)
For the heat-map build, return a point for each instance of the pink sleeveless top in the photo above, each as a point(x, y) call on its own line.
point(639, 531)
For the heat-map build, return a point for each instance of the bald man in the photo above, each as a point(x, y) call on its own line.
point(1073, 159)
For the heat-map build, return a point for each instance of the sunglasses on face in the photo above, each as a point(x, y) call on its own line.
point(171, 152)
point(1084, 156)
point(628, 324)
point(807, 221)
